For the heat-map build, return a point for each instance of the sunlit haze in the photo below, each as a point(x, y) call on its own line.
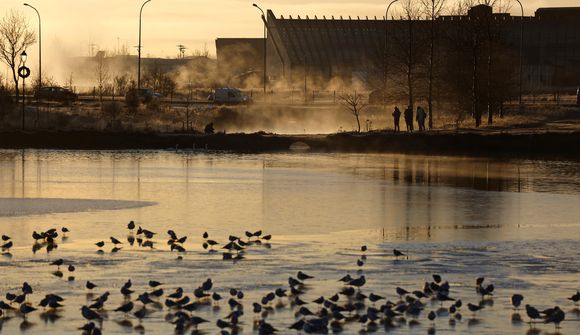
point(71, 26)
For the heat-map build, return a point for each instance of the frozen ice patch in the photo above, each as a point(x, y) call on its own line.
point(38, 206)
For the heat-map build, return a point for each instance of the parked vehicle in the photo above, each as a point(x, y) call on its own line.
point(55, 93)
point(228, 95)
point(143, 94)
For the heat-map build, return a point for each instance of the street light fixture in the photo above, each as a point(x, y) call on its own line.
point(39, 46)
point(386, 50)
point(521, 49)
point(265, 47)
point(139, 47)
point(23, 57)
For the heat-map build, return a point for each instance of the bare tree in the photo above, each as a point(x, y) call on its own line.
point(121, 83)
point(101, 73)
point(354, 103)
point(478, 46)
point(15, 37)
point(408, 56)
point(160, 80)
point(432, 9)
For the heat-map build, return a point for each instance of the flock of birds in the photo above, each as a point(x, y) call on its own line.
point(233, 250)
point(350, 304)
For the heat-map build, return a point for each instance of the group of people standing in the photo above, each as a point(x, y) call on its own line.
point(421, 116)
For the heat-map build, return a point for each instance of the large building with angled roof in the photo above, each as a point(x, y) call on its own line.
point(349, 47)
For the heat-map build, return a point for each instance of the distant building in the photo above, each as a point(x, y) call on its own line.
point(354, 47)
point(240, 60)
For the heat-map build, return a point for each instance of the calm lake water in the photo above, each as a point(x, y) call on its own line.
point(515, 222)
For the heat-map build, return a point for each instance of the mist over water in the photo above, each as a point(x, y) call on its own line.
point(460, 217)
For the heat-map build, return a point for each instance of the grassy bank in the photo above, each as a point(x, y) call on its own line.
point(540, 144)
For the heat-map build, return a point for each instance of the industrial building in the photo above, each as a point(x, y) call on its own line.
point(354, 47)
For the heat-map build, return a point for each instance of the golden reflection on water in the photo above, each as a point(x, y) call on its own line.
point(479, 217)
point(409, 197)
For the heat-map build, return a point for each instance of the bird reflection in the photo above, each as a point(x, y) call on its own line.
point(473, 322)
point(26, 325)
point(516, 318)
point(37, 246)
point(50, 316)
point(534, 331)
point(125, 323)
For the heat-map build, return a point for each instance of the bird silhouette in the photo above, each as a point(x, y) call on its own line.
point(25, 309)
point(575, 298)
point(474, 308)
point(359, 282)
point(90, 314)
point(532, 313)
point(517, 300)
point(398, 253)
point(154, 283)
point(58, 262)
point(555, 317)
point(303, 276)
point(437, 278)
point(7, 246)
point(125, 308)
point(196, 320)
point(26, 288)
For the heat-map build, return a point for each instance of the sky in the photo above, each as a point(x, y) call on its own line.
point(70, 26)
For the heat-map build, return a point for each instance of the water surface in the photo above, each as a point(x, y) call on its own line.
point(514, 222)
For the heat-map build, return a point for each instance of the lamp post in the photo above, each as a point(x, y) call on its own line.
point(521, 49)
point(386, 50)
point(139, 47)
point(265, 46)
point(39, 46)
point(23, 57)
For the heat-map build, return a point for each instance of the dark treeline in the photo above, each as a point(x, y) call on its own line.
point(465, 66)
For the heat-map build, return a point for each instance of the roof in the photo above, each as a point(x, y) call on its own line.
point(558, 13)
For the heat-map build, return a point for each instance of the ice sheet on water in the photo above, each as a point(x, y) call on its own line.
point(38, 206)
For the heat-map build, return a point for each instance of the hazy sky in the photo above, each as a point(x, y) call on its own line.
point(69, 26)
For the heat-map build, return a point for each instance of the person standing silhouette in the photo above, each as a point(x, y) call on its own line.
point(409, 119)
point(396, 118)
point(421, 116)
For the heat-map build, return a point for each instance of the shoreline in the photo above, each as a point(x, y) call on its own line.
point(528, 144)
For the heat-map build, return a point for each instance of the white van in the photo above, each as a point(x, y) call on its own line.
point(228, 95)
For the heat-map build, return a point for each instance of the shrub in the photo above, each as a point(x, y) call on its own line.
point(6, 101)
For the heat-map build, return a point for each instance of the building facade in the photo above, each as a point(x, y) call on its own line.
point(347, 48)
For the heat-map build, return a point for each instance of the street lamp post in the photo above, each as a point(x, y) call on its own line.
point(39, 46)
point(386, 52)
point(23, 57)
point(139, 47)
point(265, 50)
point(521, 50)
